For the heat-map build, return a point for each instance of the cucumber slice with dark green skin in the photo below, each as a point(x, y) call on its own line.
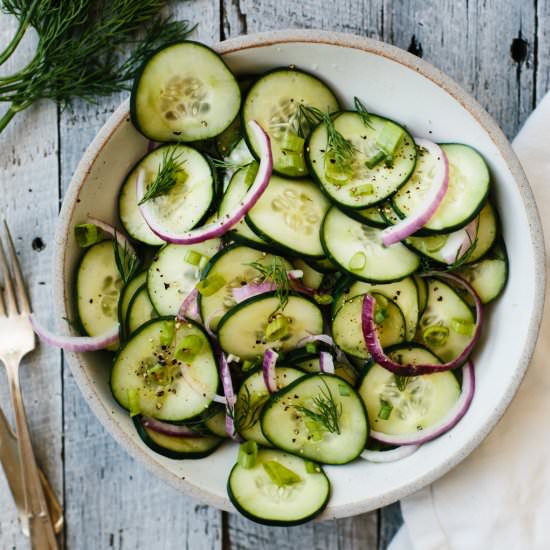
point(422, 293)
point(366, 186)
point(236, 190)
point(140, 310)
point(468, 187)
point(358, 250)
point(289, 214)
point(172, 274)
point(232, 267)
point(241, 331)
point(370, 216)
point(312, 364)
point(252, 396)
point(184, 206)
point(216, 422)
point(409, 404)
point(489, 275)
point(312, 278)
point(290, 419)
point(404, 293)
point(274, 101)
point(447, 324)
point(98, 286)
point(485, 234)
point(184, 92)
point(388, 214)
point(259, 498)
point(347, 328)
point(178, 448)
point(128, 292)
point(175, 391)
point(324, 265)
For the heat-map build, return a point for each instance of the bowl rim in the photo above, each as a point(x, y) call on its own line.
point(369, 45)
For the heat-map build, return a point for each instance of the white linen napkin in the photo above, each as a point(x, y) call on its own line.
point(499, 497)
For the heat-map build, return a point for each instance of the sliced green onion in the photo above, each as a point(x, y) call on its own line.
point(291, 159)
point(251, 171)
point(311, 347)
point(323, 299)
point(401, 381)
point(249, 365)
point(314, 430)
point(388, 161)
point(167, 333)
point(435, 335)
point(335, 172)
point(389, 137)
point(133, 401)
point(280, 475)
point(380, 315)
point(435, 243)
point(375, 159)
point(277, 328)
point(358, 261)
point(385, 410)
point(292, 142)
point(248, 451)
point(87, 234)
point(462, 327)
point(312, 467)
point(193, 257)
point(365, 189)
point(203, 262)
point(211, 285)
point(343, 390)
point(189, 347)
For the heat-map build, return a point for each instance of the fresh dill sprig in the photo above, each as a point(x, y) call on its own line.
point(338, 148)
point(79, 48)
point(327, 413)
point(248, 409)
point(276, 273)
point(167, 175)
point(401, 381)
point(126, 261)
point(362, 112)
point(462, 259)
point(228, 164)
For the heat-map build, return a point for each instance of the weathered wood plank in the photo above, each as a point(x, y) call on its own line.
point(541, 49)
point(112, 501)
point(28, 199)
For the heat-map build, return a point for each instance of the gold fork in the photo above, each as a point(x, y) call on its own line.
point(16, 340)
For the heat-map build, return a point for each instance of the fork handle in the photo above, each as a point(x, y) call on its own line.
point(41, 531)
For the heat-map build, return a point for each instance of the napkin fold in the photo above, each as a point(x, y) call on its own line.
point(499, 497)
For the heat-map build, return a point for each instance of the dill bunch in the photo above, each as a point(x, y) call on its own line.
point(80, 48)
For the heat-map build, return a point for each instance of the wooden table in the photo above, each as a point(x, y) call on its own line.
point(498, 50)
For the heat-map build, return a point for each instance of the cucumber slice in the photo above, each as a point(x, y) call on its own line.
point(370, 216)
point(216, 422)
point(178, 448)
point(183, 207)
point(242, 330)
point(140, 310)
point(365, 186)
point(468, 187)
point(447, 324)
point(358, 250)
point(147, 371)
point(232, 265)
point(324, 265)
point(489, 275)
point(128, 292)
point(98, 286)
point(289, 214)
point(274, 102)
point(175, 271)
point(422, 293)
point(312, 364)
point(184, 92)
point(338, 439)
point(484, 237)
point(312, 278)
point(409, 404)
point(347, 329)
point(259, 498)
point(404, 293)
point(236, 190)
point(251, 398)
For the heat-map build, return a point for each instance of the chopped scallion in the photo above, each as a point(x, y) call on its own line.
point(365, 189)
point(389, 138)
point(462, 327)
point(311, 347)
point(377, 158)
point(189, 347)
point(323, 299)
point(312, 467)
point(292, 142)
point(133, 401)
point(280, 475)
point(248, 453)
point(192, 257)
point(358, 261)
point(385, 410)
point(87, 234)
point(211, 285)
point(167, 333)
point(435, 335)
point(277, 328)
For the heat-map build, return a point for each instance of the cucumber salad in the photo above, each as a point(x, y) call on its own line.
point(290, 272)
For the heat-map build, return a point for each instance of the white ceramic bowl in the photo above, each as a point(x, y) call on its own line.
point(400, 86)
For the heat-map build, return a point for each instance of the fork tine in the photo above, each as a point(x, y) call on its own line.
point(22, 298)
point(9, 297)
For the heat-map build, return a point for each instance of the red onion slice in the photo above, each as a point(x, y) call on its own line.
point(190, 307)
point(75, 343)
point(417, 219)
point(451, 418)
point(458, 242)
point(244, 292)
point(165, 428)
point(221, 226)
point(227, 384)
point(326, 363)
point(268, 368)
point(389, 456)
point(117, 234)
point(375, 348)
point(324, 338)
